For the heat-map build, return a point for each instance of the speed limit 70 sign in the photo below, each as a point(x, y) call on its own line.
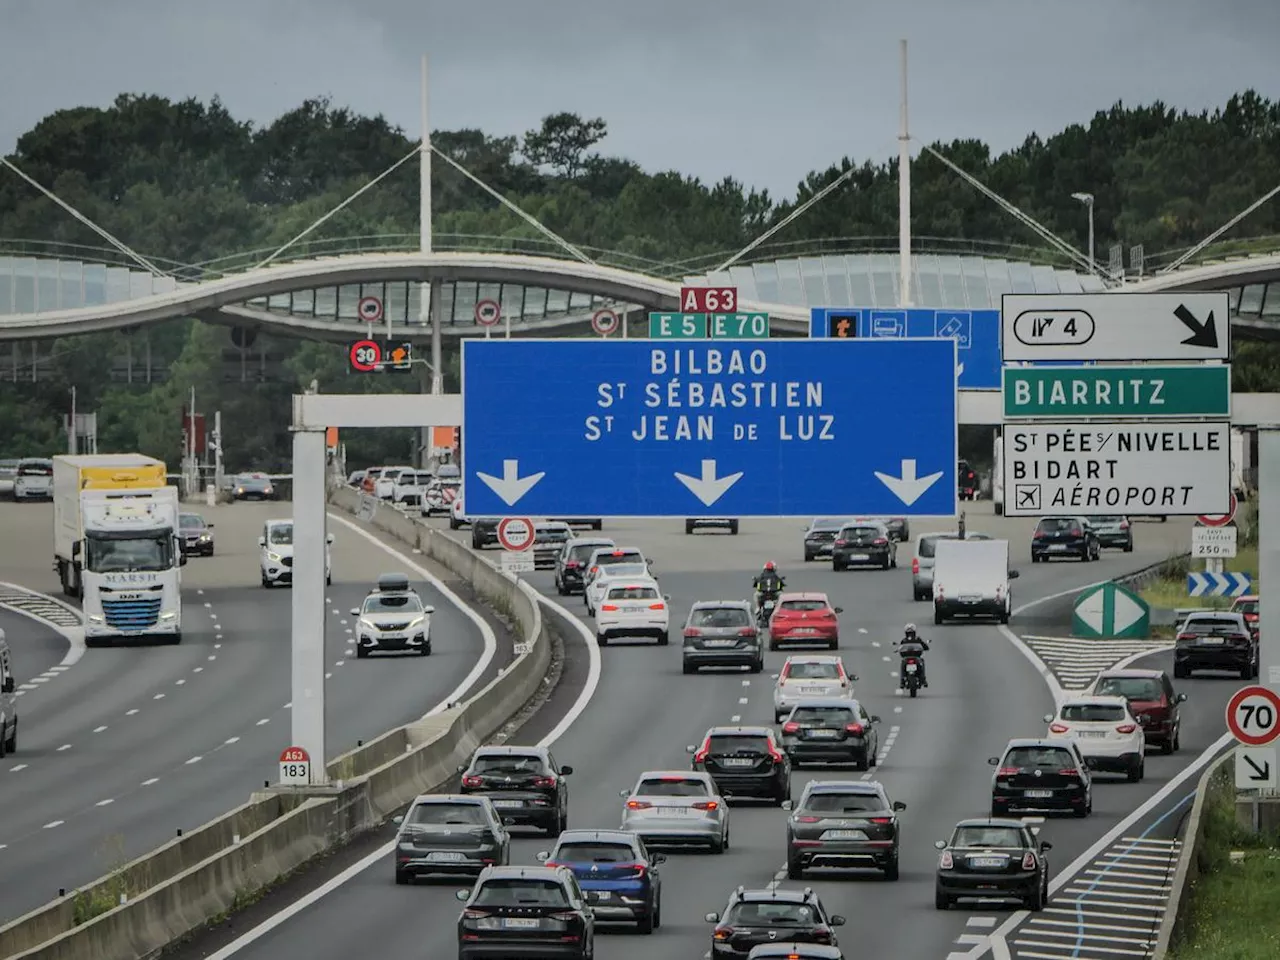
point(1253, 716)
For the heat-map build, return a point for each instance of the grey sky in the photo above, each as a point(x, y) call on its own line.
point(761, 91)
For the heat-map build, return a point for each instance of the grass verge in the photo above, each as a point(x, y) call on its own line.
point(1170, 593)
point(1229, 911)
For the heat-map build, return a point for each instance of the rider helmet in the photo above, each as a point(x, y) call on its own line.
point(770, 566)
point(909, 630)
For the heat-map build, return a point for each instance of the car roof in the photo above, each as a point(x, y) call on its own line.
point(1036, 742)
point(617, 836)
point(865, 787)
point(635, 583)
point(591, 542)
point(682, 774)
point(782, 894)
point(475, 800)
point(992, 822)
point(813, 658)
point(804, 595)
point(704, 604)
point(1248, 598)
point(283, 520)
point(740, 731)
point(520, 873)
point(1098, 700)
point(509, 750)
point(1133, 672)
point(551, 525)
point(828, 702)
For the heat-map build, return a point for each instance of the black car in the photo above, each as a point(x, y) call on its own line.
point(1216, 641)
point(722, 633)
point(196, 535)
point(525, 912)
point(253, 487)
point(548, 540)
point(1064, 537)
point(718, 523)
point(819, 536)
point(443, 834)
point(571, 563)
point(831, 730)
point(966, 481)
point(864, 544)
point(484, 532)
point(526, 785)
point(1041, 775)
point(618, 875)
point(843, 824)
point(753, 917)
point(745, 762)
point(996, 859)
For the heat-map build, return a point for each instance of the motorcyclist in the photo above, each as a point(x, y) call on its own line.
point(912, 646)
point(768, 584)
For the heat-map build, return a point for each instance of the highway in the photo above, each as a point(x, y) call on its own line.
point(933, 752)
point(131, 744)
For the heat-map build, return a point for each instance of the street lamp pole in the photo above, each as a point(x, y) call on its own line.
point(1087, 200)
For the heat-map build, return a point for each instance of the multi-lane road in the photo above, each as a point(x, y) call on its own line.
point(933, 756)
point(128, 745)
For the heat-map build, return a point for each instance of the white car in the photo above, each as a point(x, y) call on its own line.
point(385, 486)
point(1110, 738)
point(677, 807)
point(439, 496)
point(33, 480)
point(276, 558)
point(806, 676)
point(598, 579)
point(633, 608)
point(408, 486)
point(457, 518)
point(393, 617)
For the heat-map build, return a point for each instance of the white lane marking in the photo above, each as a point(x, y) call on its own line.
point(57, 669)
point(335, 611)
point(328, 676)
point(217, 646)
point(875, 643)
point(194, 760)
point(73, 635)
point(213, 656)
point(147, 783)
point(158, 696)
point(864, 630)
point(38, 680)
point(264, 720)
point(983, 922)
point(179, 683)
point(99, 729)
point(742, 700)
point(28, 686)
point(103, 803)
point(897, 709)
point(338, 663)
point(886, 659)
point(197, 670)
point(54, 823)
point(207, 604)
point(746, 683)
point(65, 746)
point(20, 766)
point(130, 713)
point(199, 593)
point(289, 705)
point(217, 636)
point(736, 718)
point(231, 740)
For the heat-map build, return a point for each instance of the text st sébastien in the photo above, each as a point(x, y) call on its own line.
point(709, 393)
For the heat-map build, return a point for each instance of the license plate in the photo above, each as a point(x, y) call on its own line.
point(912, 668)
point(445, 857)
point(822, 734)
point(719, 643)
point(814, 690)
point(1090, 733)
point(1057, 547)
point(986, 862)
point(738, 762)
point(970, 599)
point(507, 804)
point(599, 895)
point(844, 835)
point(804, 631)
point(677, 811)
point(1037, 794)
point(859, 556)
point(1212, 641)
point(520, 923)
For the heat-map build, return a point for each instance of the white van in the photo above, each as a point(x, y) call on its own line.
point(8, 701)
point(971, 579)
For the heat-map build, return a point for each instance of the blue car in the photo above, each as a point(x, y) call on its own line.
point(615, 871)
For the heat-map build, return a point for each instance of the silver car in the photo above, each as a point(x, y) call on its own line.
point(926, 557)
point(1113, 532)
point(677, 807)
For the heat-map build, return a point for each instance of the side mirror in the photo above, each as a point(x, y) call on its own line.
point(624, 794)
point(875, 719)
point(428, 610)
point(658, 858)
point(940, 844)
point(1180, 698)
point(899, 806)
point(262, 541)
point(994, 761)
point(713, 918)
point(210, 525)
point(566, 771)
point(837, 920)
point(355, 611)
point(508, 821)
point(1046, 845)
point(666, 597)
point(854, 678)
point(1048, 718)
point(690, 748)
point(182, 556)
point(838, 609)
point(8, 686)
point(398, 820)
point(328, 538)
point(75, 549)
point(1014, 574)
point(787, 805)
point(543, 856)
point(463, 895)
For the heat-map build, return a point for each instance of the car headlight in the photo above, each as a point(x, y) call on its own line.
point(268, 489)
point(273, 557)
point(205, 538)
point(169, 615)
point(95, 619)
point(363, 624)
point(419, 621)
point(239, 489)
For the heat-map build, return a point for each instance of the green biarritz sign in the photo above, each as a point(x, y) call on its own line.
point(1146, 391)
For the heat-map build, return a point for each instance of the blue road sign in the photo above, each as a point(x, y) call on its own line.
point(732, 428)
point(1219, 584)
point(976, 333)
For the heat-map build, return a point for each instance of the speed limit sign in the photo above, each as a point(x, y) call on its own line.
point(365, 355)
point(1253, 716)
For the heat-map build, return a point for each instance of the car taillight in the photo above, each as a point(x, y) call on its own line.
point(821, 935)
point(807, 819)
point(566, 916)
point(639, 868)
point(608, 607)
point(915, 564)
point(879, 542)
point(1007, 771)
point(1077, 532)
point(1186, 636)
point(1028, 861)
point(724, 933)
point(842, 543)
point(1037, 535)
point(786, 672)
point(1058, 728)
point(882, 820)
point(1126, 728)
point(544, 781)
point(790, 727)
point(1124, 524)
point(638, 805)
point(657, 606)
point(470, 914)
point(692, 632)
point(1068, 772)
point(773, 752)
point(854, 728)
point(701, 755)
point(946, 861)
point(571, 565)
point(706, 805)
point(747, 632)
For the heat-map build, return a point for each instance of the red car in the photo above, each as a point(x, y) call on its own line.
point(1151, 699)
point(1248, 608)
point(804, 618)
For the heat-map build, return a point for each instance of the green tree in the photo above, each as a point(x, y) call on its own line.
point(562, 142)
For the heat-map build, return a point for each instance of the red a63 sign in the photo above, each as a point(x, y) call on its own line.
point(708, 299)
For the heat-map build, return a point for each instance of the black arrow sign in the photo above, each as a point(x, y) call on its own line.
point(1260, 773)
point(1202, 334)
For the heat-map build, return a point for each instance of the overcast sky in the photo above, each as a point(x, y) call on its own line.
point(761, 90)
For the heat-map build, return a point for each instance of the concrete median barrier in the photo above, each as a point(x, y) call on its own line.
point(216, 868)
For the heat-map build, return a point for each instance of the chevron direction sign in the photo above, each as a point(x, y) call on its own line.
point(1219, 584)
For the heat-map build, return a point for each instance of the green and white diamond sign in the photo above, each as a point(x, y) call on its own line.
point(1110, 612)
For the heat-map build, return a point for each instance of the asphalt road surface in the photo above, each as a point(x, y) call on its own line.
point(131, 744)
point(934, 751)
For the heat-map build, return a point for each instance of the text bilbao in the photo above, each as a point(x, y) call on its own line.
point(683, 381)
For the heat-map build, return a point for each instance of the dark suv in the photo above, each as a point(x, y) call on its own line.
point(859, 544)
point(1064, 537)
point(722, 633)
point(571, 564)
point(752, 917)
point(745, 762)
point(619, 876)
point(526, 785)
point(1041, 775)
point(844, 824)
point(1216, 641)
point(484, 532)
point(525, 912)
point(1151, 699)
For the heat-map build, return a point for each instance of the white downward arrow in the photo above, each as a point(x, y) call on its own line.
point(707, 488)
point(510, 486)
point(908, 488)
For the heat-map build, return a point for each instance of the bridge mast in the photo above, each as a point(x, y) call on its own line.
point(429, 294)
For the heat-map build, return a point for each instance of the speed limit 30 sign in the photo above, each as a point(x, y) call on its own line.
point(1253, 716)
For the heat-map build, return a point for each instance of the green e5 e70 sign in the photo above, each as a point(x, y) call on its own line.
point(701, 326)
point(1145, 391)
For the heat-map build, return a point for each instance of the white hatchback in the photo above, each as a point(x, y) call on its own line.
point(633, 608)
point(276, 553)
point(627, 563)
point(1110, 738)
point(806, 676)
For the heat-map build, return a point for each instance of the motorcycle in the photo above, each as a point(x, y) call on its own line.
point(764, 612)
point(911, 675)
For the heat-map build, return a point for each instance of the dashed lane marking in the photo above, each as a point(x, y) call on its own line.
point(16, 768)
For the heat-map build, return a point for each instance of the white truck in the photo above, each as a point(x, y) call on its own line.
point(971, 579)
point(116, 546)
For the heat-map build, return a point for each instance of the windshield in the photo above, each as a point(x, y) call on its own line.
point(804, 605)
point(988, 837)
point(738, 743)
point(1106, 520)
point(849, 532)
point(253, 482)
point(551, 535)
point(1131, 688)
point(191, 521)
point(393, 603)
point(1093, 712)
point(583, 551)
point(625, 570)
point(1058, 525)
point(826, 525)
point(727, 617)
point(1210, 625)
point(521, 891)
point(509, 763)
point(633, 593)
point(391, 474)
point(153, 552)
point(770, 913)
point(280, 533)
point(594, 851)
point(1046, 758)
point(672, 787)
point(836, 715)
point(813, 671)
point(844, 803)
point(440, 814)
point(630, 558)
point(1245, 606)
point(35, 470)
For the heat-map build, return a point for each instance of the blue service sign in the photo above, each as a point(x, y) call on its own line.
point(727, 428)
